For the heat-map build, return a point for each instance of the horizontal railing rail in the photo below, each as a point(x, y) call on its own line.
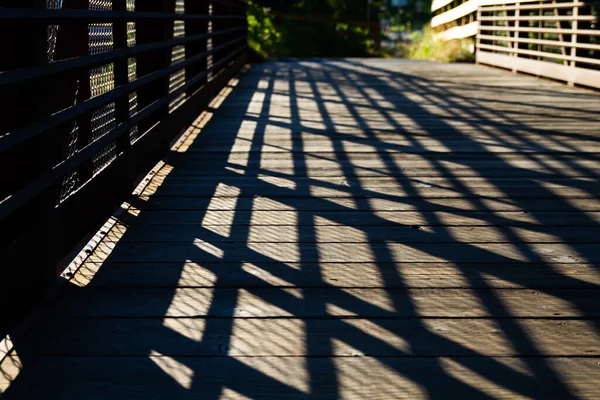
point(454, 19)
point(458, 19)
point(558, 40)
point(93, 94)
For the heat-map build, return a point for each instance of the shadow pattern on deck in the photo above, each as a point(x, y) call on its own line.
point(347, 229)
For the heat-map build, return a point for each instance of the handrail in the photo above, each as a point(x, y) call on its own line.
point(62, 66)
point(11, 139)
point(91, 98)
point(93, 16)
point(452, 21)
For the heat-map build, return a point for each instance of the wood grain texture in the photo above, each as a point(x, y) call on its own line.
point(266, 302)
point(267, 337)
point(161, 377)
point(347, 275)
point(345, 230)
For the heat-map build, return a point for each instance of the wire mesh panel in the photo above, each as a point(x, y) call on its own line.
point(70, 181)
point(102, 80)
point(52, 29)
point(132, 69)
point(177, 79)
point(209, 44)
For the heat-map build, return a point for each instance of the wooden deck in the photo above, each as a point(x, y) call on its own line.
point(352, 229)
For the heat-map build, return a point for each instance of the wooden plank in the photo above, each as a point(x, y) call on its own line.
point(337, 233)
point(373, 182)
point(271, 274)
point(455, 13)
point(267, 302)
point(348, 164)
point(350, 170)
point(163, 376)
point(584, 32)
point(361, 218)
point(580, 76)
point(460, 31)
point(545, 54)
point(287, 337)
point(202, 249)
point(555, 43)
point(461, 146)
point(282, 187)
point(304, 204)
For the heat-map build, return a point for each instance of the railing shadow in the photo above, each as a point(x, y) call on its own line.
point(288, 252)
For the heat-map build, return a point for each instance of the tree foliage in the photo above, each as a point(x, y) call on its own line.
point(289, 37)
point(263, 36)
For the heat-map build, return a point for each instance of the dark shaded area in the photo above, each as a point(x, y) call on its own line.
point(72, 145)
point(316, 28)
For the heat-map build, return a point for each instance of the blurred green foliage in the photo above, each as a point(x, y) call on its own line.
point(263, 36)
point(426, 46)
point(272, 36)
point(314, 39)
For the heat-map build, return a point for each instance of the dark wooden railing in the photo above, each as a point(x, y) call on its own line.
point(93, 92)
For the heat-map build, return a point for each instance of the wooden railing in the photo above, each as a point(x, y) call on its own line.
point(93, 92)
point(558, 40)
point(548, 38)
point(454, 19)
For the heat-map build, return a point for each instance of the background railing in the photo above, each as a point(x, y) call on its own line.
point(559, 40)
point(93, 92)
point(454, 19)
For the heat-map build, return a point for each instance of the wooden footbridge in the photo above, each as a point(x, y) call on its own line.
point(353, 229)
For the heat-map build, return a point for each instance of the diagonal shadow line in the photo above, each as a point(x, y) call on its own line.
point(565, 205)
point(319, 378)
point(511, 125)
point(410, 149)
point(437, 95)
point(533, 150)
point(221, 298)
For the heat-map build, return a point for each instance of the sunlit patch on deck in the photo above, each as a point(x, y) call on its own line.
point(180, 373)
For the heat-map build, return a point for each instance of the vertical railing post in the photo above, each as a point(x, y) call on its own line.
point(516, 34)
point(210, 43)
point(540, 25)
point(574, 27)
point(196, 27)
point(121, 72)
point(121, 76)
point(73, 41)
point(217, 25)
point(149, 32)
point(563, 49)
point(478, 36)
point(27, 260)
point(377, 35)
